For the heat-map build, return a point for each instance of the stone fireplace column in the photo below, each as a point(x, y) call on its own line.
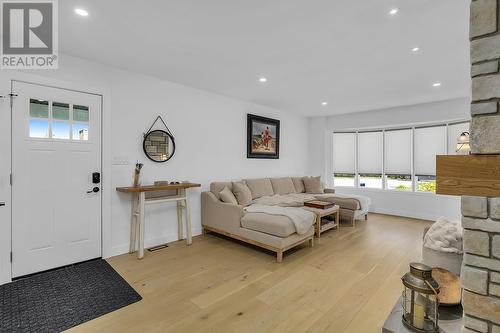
point(481, 216)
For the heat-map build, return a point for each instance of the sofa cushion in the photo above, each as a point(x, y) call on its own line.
point(313, 184)
point(227, 196)
point(347, 203)
point(260, 187)
point(298, 184)
point(242, 193)
point(282, 185)
point(275, 225)
point(217, 187)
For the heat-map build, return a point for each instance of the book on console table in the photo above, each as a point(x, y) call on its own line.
point(319, 204)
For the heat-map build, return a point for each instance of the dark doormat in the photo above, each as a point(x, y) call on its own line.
point(56, 300)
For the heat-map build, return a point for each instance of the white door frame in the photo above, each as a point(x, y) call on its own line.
point(106, 187)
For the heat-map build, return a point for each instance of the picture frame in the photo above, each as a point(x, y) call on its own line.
point(263, 137)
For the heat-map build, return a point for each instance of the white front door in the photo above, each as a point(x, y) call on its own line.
point(56, 148)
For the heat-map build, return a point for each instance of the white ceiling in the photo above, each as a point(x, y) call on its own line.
point(351, 54)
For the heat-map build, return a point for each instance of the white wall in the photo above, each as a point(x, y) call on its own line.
point(210, 133)
point(417, 205)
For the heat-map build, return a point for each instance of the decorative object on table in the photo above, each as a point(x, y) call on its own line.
point(161, 182)
point(420, 299)
point(137, 174)
point(463, 144)
point(263, 137)
point(319, 204)
point(159, 145)
point(450, 291)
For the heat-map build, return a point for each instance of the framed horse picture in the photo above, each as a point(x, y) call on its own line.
point(263, 137)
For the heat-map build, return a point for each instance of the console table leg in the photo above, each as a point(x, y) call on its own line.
point(188, 222)
point(179, 221)
point(133, 225)
point(142, 199)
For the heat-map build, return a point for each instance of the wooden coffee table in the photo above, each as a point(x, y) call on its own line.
point(320, 213)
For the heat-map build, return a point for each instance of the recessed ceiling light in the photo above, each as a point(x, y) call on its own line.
point(324, 103)
point(415, 49)
point(394, 11)
point(81, 12)
point(436, 84)
point(262, 79)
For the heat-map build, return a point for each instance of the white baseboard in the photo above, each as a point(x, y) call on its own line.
point(151, 242)
point(396, 212)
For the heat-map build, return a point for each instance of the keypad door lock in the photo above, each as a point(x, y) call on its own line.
point(96, 178)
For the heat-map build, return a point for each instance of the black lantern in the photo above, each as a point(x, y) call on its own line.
point(420, 299)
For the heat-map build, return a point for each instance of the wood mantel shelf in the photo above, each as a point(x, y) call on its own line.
point(477, 175)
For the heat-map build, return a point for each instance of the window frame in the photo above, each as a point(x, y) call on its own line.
point(413, 175)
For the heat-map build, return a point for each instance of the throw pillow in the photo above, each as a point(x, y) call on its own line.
point(282, 185)
point(313, 185)
point(298, 183)
point(242, 194)
point(227, 196)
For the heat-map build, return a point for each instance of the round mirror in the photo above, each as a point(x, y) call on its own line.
point(159, 146)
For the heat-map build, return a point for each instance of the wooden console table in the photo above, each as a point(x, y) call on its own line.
point(152, 194)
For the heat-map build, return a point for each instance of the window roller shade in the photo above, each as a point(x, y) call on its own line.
point(344, 153)
point(370, 152)
point(429, 142)
point(398, 151)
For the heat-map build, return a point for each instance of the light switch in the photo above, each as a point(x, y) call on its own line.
point(120, 160)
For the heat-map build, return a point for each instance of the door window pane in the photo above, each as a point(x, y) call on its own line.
point(39, 128)
point(80, 113)
point(60, 130)
point(80, 132)
point(39, 108)
point(60, 111)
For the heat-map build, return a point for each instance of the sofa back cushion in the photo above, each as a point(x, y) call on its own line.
point(282, 185)
point(226, 195)
point(313, 184)
point(298, 183)
point(260, 187)
point(242, 193)
point(217, 187)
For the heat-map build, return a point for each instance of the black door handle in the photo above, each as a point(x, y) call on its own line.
point(2, 204)
point(94, 190)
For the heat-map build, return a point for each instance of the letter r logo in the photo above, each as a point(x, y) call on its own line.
point(27, 27)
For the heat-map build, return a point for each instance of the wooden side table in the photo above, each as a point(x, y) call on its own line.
point(157, 194)
point(320, 213)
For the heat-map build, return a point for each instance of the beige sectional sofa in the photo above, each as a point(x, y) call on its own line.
point(274, 232)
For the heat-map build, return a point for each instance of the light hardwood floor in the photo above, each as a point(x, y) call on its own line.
point(348, 283)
